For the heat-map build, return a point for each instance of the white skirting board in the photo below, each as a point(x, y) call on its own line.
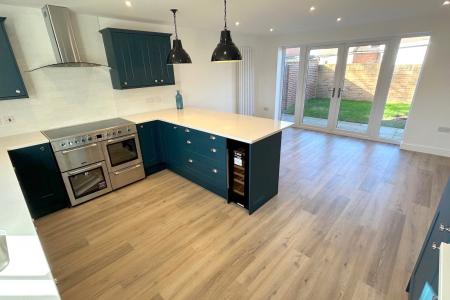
point(245, 83)
point(425, 149)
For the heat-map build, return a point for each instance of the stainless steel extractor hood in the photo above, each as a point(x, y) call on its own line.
point(62, 37)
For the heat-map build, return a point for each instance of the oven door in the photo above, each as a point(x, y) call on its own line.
point(79, 157)
point(122, 152)
point(87, 183)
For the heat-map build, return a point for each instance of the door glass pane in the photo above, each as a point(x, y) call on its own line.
point(319, 86)
point(88, 182)
point(361, 78)
point(289, 83)
point(403, 85)
point(122, 152)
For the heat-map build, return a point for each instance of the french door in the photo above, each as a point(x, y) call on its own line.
point(342, 86)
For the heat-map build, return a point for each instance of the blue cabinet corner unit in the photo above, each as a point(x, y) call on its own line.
point(137, 58)
point(11, 82)
point(40, 179)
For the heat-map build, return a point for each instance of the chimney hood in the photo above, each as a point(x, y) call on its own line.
point(62, 37)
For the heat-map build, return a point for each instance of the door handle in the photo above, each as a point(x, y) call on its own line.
point(93, 167)
point(334, 92)
point(127, 170)
point(339, 93)
point(80, 148)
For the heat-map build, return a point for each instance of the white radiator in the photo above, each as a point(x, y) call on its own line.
point(245, 83)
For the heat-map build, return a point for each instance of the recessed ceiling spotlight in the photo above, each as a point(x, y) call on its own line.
point(339, 19)
point(312, 8)
point(271, 29)
point(446, 3)
point(237, 23)
point(128, 3)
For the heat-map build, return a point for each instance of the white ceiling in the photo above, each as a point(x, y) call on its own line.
point(255, 16)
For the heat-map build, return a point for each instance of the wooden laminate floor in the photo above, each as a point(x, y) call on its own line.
point(348, 223)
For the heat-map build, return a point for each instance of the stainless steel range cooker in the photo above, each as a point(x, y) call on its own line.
point(96, 158)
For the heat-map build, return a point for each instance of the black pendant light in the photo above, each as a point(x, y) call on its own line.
point(226, 50)
point(177, 54)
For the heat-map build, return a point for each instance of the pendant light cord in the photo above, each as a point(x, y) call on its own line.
point(225, 13)
point(174, 11)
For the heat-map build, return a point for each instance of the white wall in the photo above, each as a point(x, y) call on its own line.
point(65, 96)
point(431, 107)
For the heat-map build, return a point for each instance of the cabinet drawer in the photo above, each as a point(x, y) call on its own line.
point(207, 170)
point(205, 139)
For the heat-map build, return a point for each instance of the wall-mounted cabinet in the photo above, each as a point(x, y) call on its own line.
point(137, 58)
point(11, 82)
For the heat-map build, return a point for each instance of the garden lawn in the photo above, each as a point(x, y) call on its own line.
point(356, 111)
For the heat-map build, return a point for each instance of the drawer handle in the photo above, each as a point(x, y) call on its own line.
point(190, 161)
point(213, 150)
point(175, 127)
point(444, 228)
point(187, 130)
point(188, 142)
point(18, 91)
point(215, 171)
point(127, 170)
point(211, 137)
point(435, 246)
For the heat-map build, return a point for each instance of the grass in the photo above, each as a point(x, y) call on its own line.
point(356, 111)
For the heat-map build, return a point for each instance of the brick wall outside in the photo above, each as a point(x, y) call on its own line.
point(360, 83)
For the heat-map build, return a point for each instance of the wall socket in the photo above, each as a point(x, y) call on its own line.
point(444, 129)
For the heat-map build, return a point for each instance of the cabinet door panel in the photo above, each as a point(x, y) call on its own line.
point(150, 141)
point(129, 59)
point(40, 179)
point(11, 83)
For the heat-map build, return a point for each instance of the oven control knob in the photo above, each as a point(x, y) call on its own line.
point(82, 140)
point(119, 131)
point(63, 144)
point(76, 142)
point(129, 129)
point(89, 138)
point(70, 143)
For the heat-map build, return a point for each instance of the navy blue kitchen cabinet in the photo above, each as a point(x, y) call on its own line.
point(40, 179)
point(254, 180)
point(11, 82)
point(137, 58)
point(151, 146)
point(206, 159)
point(423, 283)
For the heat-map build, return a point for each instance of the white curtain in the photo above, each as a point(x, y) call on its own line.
point(245, 83)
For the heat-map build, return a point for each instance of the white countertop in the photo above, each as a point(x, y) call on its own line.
point(444, 272)
point(242, 128)
point(28, 274)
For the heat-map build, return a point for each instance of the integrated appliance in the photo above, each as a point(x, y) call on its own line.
point(238, 173)
point(96, 158)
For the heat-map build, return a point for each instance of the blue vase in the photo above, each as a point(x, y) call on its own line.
point(179, 100)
